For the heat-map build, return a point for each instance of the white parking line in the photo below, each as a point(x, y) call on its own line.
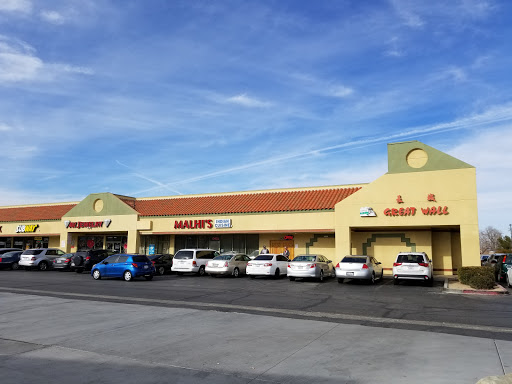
point(288, 312)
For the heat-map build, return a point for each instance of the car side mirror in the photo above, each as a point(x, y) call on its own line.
point(379, 263)
point(105, 262)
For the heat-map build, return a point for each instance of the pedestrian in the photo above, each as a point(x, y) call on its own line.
point(264, 250)
point(286, 253)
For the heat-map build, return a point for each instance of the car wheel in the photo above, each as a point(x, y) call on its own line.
point(213, 275)
point(236, 272)
point(430, 282)
point(395, 281)
point(340, 280)
point(333, 274)
point(127, 276)
point(381, 275)
point(201, 271)
point(96, 275)
point(161, 270)
point(372, 279)
point(277, 273)
point(149, 277)
point(15, 266)
point(79, 270)
point(321, 277)
point(43, 266)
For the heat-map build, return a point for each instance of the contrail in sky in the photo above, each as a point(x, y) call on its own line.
point(491, 116)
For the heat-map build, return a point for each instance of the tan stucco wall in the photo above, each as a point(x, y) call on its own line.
point(455, 189)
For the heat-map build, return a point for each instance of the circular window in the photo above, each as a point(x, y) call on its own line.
point(98, 205)
point(417, 158)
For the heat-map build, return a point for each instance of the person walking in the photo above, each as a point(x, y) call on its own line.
point(264, 250)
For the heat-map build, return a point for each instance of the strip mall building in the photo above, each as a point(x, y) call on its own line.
point(426, 202)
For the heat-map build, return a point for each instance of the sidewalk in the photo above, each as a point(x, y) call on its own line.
point(45, 339)
point(452, 285)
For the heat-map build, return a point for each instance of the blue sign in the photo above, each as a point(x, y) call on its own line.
point(151, 250)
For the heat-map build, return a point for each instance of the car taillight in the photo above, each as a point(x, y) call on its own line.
point(33, 258)
point(153, 261)
point(504, 258)
point(338, 265)
point(249, 264)
point(194, 262)
point(423, 264)
point(312, 266)
point(68, 260)
point(135, 265)
point(0, 259)
point(54, 261)
point(267, 264)
point(396, 264)
point(226, 264)
point(289, 265)
point(88, 258)
point(365, 266)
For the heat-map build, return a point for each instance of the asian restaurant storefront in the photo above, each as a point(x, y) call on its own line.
point(425, 202)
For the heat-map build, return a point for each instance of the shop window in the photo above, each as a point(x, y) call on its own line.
point(226, 243)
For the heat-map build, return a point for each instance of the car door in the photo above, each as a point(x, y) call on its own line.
point(109, 265)
point(119, 266)
point(282, 264)
point(51, 254)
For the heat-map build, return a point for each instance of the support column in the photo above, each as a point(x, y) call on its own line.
point(133, 241)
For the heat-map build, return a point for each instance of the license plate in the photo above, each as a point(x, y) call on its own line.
point(145, 267)
point(215, 265)
point(350, 273)
point(300, 267)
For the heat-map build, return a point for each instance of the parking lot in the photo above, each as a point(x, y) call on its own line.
point(406, 306)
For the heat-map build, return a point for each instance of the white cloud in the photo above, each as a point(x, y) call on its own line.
point(247, 101)
point(18, 67)
point(407, 14)
point(23, 6)
point(341, 91)
point(52, 17)
point(4, 127)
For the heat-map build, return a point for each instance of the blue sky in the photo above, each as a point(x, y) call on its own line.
point(161, 97)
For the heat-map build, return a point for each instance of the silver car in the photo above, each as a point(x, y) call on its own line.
point(359, 267)
point(40, 258)
point(234, 264)
point(314, 266)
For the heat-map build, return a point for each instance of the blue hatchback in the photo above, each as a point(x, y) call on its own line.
point(124, 266)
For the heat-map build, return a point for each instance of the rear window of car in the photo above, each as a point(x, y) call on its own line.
point(410, 259)
point(184, 255)
point(223, 257)
point(263, 257)
point(360, 260)
point(206, 254)
point(304, 258)
point(33, 252)
point(140, 259)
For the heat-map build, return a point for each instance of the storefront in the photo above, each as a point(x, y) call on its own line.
point(425, 202)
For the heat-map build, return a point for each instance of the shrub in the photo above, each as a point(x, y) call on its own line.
point(477, 277)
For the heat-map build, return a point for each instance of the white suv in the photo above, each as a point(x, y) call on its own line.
point(413, 266)
point(40, 258)
point(192, 260)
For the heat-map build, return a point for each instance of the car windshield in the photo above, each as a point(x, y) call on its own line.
point(184, 255)
point(33, 252)
point(410, 259)
point(140, 259)
point(264, 257)
point(304, 258)
point(351, 259)
point(224, 257)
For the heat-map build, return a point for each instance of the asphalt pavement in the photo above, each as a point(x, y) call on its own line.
point(55, 340)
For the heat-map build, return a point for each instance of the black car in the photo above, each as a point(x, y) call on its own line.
point(162, 263)
point(9, 258)
point(84, 260)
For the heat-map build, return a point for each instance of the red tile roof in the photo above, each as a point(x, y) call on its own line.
point(307, 200)
point(46, 212)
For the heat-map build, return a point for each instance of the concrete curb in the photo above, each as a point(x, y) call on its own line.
point(497, 291)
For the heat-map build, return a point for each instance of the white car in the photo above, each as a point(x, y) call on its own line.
point(192, 260)
point(310, 266)
point(268, 264)
point(413, 266)
point(509, 278)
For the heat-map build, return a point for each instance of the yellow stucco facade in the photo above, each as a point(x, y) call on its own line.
point(426, 202)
